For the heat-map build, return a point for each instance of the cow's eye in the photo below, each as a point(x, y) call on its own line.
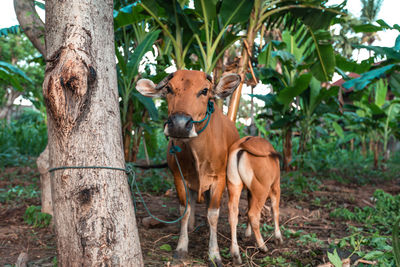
point(204, 91)
point(169, 90)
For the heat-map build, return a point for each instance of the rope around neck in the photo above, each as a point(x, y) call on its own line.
point(210, 110)
point(131, 173)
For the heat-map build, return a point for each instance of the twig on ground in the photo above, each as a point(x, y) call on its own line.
point(291, 219)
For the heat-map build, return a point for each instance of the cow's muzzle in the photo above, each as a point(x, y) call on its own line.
point(180, 125)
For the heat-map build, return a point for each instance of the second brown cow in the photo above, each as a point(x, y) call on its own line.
point(204, 134)
point(253, 164)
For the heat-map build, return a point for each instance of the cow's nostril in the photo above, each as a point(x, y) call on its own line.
point(189, 125)
point(170, 122)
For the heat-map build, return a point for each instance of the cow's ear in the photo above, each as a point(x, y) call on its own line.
point(147, 88)
point(227, 85)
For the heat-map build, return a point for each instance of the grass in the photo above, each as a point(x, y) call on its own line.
point(371, 239)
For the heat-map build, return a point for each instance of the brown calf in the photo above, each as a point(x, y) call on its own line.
point(254, 164)
point(204, 144)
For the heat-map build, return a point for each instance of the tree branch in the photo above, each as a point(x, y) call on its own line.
point(31, 23)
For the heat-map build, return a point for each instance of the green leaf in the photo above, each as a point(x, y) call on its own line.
point(141, 49)
point(166, 247)
point(388, 52)
point(265, 56)
point(396, 241)
point(380, 92)
point(366, 28)
point(287, 95)
point(40, 5)
point(397, 43)
point(383, 24)
point(315, 88)
point(338, 129)
point(368, 77)
point(352, 66)
point(210, 8)
point(269, 99)
point(15, 70)
point(291, 46)
point(148, 104)
point(324, 65)
point(240, 9)
point(10, 30)
point(335, 259)
point(281, 123)
point(373, 255)
point(127, 15)
point(394, 83)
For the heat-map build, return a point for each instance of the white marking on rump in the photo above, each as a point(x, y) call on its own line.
point(245, 170)
point(232, 170)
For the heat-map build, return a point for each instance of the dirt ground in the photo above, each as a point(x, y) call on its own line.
point(307, 215)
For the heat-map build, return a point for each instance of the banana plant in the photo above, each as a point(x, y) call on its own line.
point(178, 23)
point(297, 96)
point(219, 29)
point(311, 20)
point(132, 41)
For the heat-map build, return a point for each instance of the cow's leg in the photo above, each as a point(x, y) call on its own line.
point(216, 192)
point(256, 205)
point(182, 247)
point(233, 206)
point(247, 233)
point(275, 197)
point(192, 218)
point(235, 186)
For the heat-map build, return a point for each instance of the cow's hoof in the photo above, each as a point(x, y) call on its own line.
point(279, 241)
point(263, 248)
point(180, 254)
point(215, 263)
point(237, 260)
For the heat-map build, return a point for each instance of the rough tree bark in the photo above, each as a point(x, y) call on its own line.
point(42, 163)
point(33, 27)
point(93, 211)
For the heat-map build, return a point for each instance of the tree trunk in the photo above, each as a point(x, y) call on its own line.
point(376, 154)
point(45, 184)
point(363, 146)
point(287, 149)
point(244, 60)
point(31, 23)
point(93, 211)
point(11, 95)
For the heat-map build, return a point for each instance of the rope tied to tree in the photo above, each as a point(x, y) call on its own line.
point(129, 170)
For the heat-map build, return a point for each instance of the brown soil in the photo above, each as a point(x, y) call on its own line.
point(297, 213)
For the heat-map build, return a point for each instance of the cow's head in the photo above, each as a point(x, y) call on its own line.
point(187, 93)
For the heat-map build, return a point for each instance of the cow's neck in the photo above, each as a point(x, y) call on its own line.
point(202, 145)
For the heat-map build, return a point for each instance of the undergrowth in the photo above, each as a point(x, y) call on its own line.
point(371, 238)
point(22, 138)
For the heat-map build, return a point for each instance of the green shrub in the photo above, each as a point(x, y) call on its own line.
point(380, 217)
point(22, 138)
point(33, 216)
